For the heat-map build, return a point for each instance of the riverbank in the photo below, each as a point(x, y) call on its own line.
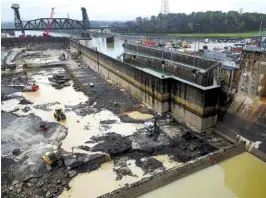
point(216, 35)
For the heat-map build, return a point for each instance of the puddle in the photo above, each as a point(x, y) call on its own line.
point(139, 116)
point(48, 94)
point(88, 126)
point(80, 129)
point(90, 184)
point(100, 181)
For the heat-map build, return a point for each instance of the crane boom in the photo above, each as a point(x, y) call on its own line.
point(47, 31)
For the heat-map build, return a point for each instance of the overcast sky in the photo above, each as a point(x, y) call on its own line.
point(121, 9)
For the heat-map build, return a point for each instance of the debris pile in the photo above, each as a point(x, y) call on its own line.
point(29, 55)
point(111, 143)
point(75, 55)
point(59, 81)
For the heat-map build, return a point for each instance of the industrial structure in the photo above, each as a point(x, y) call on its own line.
point(50, 23)
point(18, 22)
point(164, 6)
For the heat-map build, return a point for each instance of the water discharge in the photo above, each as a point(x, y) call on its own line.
point(242, 176)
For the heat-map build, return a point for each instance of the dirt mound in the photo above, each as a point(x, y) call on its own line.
point(112, 143)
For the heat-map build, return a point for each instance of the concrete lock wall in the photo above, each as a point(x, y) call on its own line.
point(171, 68)
point(163, 94)
point(200, 62)
point(9, 42)
point(197, 107)
point(140, 84)
point(161, 179)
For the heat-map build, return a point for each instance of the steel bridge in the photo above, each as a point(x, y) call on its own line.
point(51, 23)
point(56, 24)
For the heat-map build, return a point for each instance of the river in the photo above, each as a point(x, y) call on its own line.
point(116, 49)
point(113, 50)
point(242, 176)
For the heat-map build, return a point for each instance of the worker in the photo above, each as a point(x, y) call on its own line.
point(64, 56)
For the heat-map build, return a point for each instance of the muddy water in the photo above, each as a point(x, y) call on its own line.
point(243, 176)
point(80, 129)
point(139, 116)
point(101, 181)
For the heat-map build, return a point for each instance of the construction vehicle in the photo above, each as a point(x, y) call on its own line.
point(51, 158)
point(47, 31)
point(9, 66)
point(31, 88)
point(59, 115)
point(3, 68)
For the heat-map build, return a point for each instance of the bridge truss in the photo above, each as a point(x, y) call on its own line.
point(56, 24)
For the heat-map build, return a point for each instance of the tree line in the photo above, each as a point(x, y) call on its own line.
point(196, 22)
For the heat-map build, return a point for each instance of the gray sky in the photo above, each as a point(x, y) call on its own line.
point(121, 9)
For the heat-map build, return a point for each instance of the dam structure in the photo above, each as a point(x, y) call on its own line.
point(184, 86)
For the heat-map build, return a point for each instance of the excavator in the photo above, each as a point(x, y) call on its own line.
point(50, 158)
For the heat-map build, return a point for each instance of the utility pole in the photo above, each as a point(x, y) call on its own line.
point(260, 25)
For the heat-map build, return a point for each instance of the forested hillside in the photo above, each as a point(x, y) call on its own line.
point(204, 22)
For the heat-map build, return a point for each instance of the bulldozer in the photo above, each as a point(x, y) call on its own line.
point(59, 115)
point(51, 158)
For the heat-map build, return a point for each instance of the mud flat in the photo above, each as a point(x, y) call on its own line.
point(98, 143)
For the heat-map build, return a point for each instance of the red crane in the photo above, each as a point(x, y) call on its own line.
point(47, 31)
